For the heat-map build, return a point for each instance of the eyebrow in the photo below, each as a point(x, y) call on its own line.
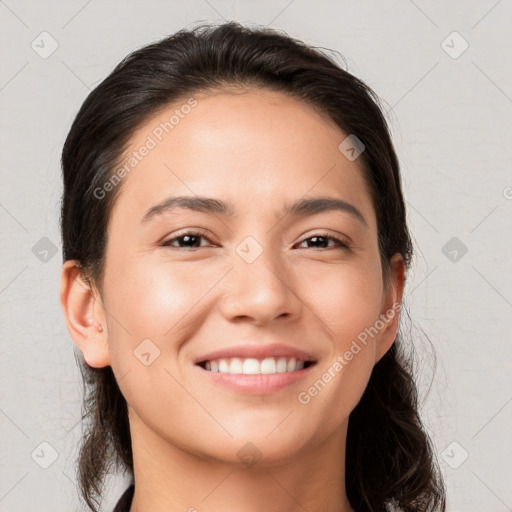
point(302, 207)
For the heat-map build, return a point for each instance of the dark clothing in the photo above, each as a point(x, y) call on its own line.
point(125, 502)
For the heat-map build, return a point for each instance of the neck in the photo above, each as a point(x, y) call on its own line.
point(168, 478)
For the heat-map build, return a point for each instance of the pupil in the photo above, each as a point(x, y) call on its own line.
point(322, 243)
point(189, 238)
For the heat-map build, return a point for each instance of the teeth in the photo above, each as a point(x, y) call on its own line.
point(281, 365)
point(223, 366)
point(268, 365)
point(252, 366)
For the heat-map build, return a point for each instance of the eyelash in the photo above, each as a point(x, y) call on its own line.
point(342, 244)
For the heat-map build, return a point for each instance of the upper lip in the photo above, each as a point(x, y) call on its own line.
point(256, 351)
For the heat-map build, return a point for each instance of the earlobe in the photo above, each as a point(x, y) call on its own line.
point(84, 315)
point(392, 301)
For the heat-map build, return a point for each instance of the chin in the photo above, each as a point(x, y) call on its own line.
point(264, 451)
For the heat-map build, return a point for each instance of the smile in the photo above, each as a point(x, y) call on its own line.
point(253, 366)
point(255, 376)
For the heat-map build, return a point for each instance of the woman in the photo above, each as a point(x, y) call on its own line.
point(235, 251)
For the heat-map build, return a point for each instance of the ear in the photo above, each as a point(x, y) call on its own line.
point(391, 303)
point(84, 314)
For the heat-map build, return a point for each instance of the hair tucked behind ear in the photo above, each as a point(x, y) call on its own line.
point(389, 461)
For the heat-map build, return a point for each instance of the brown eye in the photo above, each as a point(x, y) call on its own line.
point(319, 240)
point(188, 239)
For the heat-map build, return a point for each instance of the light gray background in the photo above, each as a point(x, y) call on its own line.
point(451, 120)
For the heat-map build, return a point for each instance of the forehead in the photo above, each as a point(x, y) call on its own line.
point(252, 147)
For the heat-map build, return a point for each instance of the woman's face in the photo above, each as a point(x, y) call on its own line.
point(254, 278)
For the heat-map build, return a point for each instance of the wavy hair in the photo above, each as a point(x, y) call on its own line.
point(390, 461)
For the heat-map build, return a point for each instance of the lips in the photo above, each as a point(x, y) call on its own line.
point(256, 369)
point(256, 351)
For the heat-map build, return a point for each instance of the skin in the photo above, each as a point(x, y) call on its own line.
point(258, 150)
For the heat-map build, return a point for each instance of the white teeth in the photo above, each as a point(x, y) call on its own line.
point(236, 365)
point(223, 366)
point(268, 365)
point(281, 365)
point(252, 366)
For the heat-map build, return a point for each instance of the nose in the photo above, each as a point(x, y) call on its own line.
point(260, 291)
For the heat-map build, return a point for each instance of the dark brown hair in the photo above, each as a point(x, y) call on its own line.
point(390, 462)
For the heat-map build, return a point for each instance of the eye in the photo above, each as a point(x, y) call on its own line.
point(320, 239)
point(189, 238)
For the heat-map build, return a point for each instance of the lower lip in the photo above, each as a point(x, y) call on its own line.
point(259, 384)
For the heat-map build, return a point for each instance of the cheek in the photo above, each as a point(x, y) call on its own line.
point(155, 310)
point(346, 298)
point(348, 310)
point(347, 302)
point(154, 300)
